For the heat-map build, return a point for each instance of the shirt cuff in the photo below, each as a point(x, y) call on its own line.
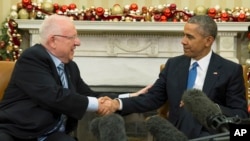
point(124, 95)
point(120, 104)
point(93, 104)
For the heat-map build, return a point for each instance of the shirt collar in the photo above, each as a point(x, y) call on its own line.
point(203, 62)
point(56, 61)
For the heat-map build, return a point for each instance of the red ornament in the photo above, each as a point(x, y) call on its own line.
point(72, 6)
point(26, 2)
point(56, 6)
point(172, 7)
point(163, 18)
point(99, 11)
point(167, 12)
point(133, 6)
point(157, 17)
point(64, 8)
point(224, 16)
point(29, 8)
point(242, 17)
point(212, 12)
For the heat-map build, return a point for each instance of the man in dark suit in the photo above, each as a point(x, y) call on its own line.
point(40, 103)
point(221, 80)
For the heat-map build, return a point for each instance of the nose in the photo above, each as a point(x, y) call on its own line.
point(183, 41)
point(77, 41)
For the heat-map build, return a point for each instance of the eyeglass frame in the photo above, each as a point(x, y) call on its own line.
point(67, 37)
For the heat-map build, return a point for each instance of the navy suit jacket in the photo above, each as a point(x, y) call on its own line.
point(226, 88)
point(34, 99)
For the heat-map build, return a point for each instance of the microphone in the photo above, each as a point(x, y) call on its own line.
point(206, 111)
point(163, 130)
point(109, 128)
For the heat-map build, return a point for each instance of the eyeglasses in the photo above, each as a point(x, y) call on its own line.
point(68, 37)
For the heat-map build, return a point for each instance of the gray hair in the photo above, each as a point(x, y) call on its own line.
point(207, 26)
point(51, 26)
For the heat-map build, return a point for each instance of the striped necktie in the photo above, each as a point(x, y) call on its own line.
point(192, 75)
point(61, 73)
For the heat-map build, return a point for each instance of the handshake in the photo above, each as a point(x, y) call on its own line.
point(107, 105)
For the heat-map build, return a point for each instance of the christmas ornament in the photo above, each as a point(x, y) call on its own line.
point(23, 14)
point(133, 7)
point(13, 13)
point(200, 10)
point(10, 41)
point(25, 3)
point(241, 17)
point(212, 12)
point(72, 6)
point(224, 17)
point(99, 11)
point(56, 7)
point(116, 10)
point(47, 6)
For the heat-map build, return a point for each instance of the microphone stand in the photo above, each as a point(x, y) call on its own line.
point(217, 137)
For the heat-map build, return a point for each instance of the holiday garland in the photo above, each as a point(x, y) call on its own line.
point(10, 40)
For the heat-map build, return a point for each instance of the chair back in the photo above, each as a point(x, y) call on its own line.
point(6, 68)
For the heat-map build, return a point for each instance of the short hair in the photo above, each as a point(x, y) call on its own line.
point(51, 26)
point(207, 25)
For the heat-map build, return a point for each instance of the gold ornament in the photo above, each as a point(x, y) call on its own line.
point(9, 48)
point(117, 10)
point(200, 10)
point(47, 6)
point(23, 14)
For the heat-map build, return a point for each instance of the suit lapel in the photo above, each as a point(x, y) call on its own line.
point(182, 74)
point(213, 74)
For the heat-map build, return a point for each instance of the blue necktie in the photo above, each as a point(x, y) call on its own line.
point(192, 75)
point(61, 73)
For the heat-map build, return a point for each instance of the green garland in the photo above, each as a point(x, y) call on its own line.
point(10, 41)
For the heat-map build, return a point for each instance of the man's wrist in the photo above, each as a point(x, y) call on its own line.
point(117, 104)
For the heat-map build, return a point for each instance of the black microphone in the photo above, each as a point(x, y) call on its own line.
point(109, 128)
point(163, 130)
point(206, 111)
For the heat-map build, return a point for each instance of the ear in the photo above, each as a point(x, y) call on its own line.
point(51, 41)
point(209, 41)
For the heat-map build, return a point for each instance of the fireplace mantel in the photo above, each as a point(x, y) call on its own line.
point(136, 26)
point(130, 53)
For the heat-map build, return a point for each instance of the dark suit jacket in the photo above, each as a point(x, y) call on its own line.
point(35, 99)
point(226, 89)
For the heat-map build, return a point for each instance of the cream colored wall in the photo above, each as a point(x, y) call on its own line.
point(5, 5)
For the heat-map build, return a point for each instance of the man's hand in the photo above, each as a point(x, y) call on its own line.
point(105, 104)
point(141, 91)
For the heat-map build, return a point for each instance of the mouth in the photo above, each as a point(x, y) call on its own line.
point(186, 48)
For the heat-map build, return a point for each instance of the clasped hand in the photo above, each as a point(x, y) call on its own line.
point(107, 105)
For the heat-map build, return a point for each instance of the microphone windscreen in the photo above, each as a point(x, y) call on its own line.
point(94, 127)
point(162, 130)
point(112, 128)
point(201, 107)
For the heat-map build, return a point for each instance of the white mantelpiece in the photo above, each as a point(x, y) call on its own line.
point(122, 53)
